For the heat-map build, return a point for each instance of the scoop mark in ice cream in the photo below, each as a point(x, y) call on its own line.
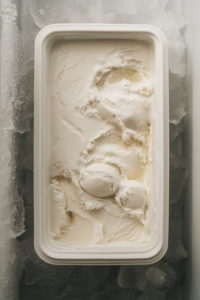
point(100, 180)
point(131, 194)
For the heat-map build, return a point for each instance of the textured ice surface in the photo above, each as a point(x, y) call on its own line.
point(110, 289)
point(153, 295)
point(84, 280)
point(23, 107)
point(11, 204)
point(28, 187)
point(171, 22)
point(116, 294)
point(64, 281)
point(49, 277)
point(20, 26)
point(175, 130)
point(159, 276)
point(175, 293)
point(178, 181)
point(177, 97)
point(28, 223)
point(175, 251)
point(114, 11)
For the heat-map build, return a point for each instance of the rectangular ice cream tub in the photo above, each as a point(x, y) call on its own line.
point(101, 144)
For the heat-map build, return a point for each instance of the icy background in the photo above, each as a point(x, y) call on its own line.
point(22, 274)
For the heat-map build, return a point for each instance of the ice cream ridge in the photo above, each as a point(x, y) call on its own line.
point(102, 115)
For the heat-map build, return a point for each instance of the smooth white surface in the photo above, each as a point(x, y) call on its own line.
point(191, 149)
point(100, 180)
point(116, 256)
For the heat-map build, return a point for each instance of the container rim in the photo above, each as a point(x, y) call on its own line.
point(42, 248)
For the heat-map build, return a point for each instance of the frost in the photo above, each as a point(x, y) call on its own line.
point(177, 98)
point(178, 181)
point(159, 276)
point(175, 130)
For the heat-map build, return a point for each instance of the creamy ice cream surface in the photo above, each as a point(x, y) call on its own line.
point(102, 143)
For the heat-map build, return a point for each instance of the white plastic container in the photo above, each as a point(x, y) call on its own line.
point(44, 247)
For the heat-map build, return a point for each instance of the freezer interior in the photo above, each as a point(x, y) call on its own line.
point(23, 274)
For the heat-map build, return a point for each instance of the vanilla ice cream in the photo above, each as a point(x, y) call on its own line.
point(100, 180)
point(102, 132)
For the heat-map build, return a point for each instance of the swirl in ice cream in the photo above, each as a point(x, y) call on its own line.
point(101, 106)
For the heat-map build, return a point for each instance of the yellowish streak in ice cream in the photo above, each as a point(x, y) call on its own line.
point(101, 127)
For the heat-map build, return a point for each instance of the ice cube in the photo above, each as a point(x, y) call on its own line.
point(180, 270)
point(84, 280)
point(28, 223)
point(116, 294)
point(11, 267)
point(175, 292)
point(171, 22)
point(129, 276)
point(178, 181)
point(177, 56)
point(23, 150)
point(28, 187)
point(128, 7)
point(174, 273)
point(75, 282)
point(175, 251)
point(146, 278)
point(28, 150)
point(23, 106)
point(160, 276)
point(17, 213)
point(33, 292)
point(110, 283)
point(153, 295)
point(48, 276)
point(16, 210)
point(177, 98)
point(53, 278)
point(175, 130)
point(43, 12)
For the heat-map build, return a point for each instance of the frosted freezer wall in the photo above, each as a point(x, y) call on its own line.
point(21, 21)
